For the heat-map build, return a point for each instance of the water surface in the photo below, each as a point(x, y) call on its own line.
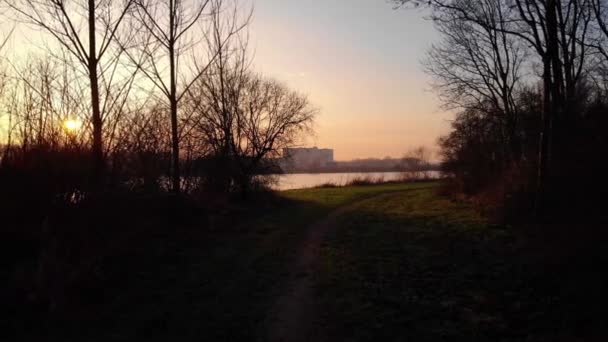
point(311, 180)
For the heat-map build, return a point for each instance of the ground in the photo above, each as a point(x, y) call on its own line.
point(371, 263)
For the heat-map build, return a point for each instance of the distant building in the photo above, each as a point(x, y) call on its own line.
point(308, 158)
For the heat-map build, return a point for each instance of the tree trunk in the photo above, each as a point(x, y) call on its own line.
point(98, 157)
point(545, 140)
point(553, 102)
point(175, 175)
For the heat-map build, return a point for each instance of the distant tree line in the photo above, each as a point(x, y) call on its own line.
point(415, 161)
point(528, 81)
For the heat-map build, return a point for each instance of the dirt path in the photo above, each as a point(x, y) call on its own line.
point(293, 317)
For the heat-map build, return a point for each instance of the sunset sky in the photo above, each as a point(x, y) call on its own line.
point(359, 62)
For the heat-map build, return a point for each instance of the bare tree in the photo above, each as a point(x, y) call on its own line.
point(556, 32)
point(4, 40)
point(599, 42)
point(143, 145)
point(3, 83)
point(45, 95)
point(417, 162)
point(477, 64)
point(87, 29)
point(600, 13)
point(246, 119)
point(175, 30)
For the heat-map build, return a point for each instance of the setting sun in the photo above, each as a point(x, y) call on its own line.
point(72, 125)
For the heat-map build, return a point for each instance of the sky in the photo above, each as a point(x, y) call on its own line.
point(359, 62)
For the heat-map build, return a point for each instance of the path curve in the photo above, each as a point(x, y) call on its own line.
point(293, 318)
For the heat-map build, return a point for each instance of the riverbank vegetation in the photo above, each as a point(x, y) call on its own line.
point(528, 82)
point(371, 179)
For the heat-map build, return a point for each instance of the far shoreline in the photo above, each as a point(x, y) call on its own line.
point(350, 171)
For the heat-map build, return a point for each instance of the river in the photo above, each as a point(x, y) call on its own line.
point(311, 180)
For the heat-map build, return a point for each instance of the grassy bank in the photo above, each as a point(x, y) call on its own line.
point(214, 275)
point(416, 266)
point(403, 263)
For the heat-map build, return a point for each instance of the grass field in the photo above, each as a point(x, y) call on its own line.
point(216, 278)
point(412, 265)
point(416, 266)
point(402, 264)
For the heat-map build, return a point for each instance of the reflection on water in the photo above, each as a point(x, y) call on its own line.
point(310, 180)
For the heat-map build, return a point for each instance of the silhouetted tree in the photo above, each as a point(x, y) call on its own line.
point(246, 119)
point(3, 113)
point(143, 154)
point(418, 162)
point(552, 37)
point(173, 29)
point(45, 95)
point(478, 65)
point(92, 47)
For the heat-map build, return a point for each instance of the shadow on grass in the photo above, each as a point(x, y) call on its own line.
point(421, 268)
point(415, 266)
point(159, 269)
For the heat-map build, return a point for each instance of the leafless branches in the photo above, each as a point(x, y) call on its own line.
point(492, 50)
point(479, 64)
point(153, 84)
point(246, 119)
point(175, 31)
point(87, 31)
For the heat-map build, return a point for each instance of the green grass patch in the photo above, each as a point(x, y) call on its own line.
point(415, 266)
point(335, 197)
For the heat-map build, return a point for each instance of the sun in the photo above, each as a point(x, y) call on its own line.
point(72, 125)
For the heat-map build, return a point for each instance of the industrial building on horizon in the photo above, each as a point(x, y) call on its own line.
point(307, 158)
